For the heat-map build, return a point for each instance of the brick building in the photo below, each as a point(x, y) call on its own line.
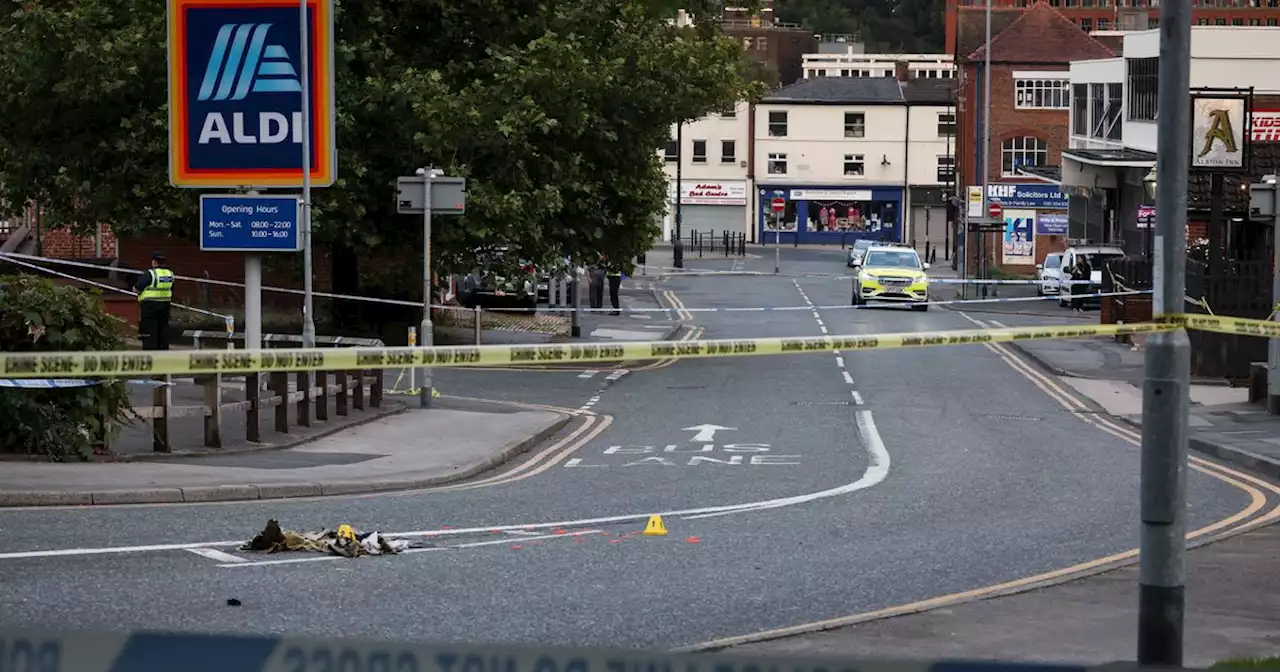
point(778, 45)
point(1031, 53)
point(1093, 15)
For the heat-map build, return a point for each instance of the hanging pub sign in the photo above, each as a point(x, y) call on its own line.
point(1220, 137)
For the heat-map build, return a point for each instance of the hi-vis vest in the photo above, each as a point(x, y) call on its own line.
point(161, 287)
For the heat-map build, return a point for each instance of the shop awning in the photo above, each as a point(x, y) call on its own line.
point(1111, 158)
point(1050, 174)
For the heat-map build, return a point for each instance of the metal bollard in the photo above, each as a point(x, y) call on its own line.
point(476, 312)
point(413, 373)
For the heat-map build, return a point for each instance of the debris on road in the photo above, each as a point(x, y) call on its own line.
point(344, 541)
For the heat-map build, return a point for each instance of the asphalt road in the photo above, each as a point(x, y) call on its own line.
point(862, 480)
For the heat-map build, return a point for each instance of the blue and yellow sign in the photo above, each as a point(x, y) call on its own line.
point(235, 93)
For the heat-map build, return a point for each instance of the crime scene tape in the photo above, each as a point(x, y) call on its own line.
point(1242, 326)
point(38, 651)
point(158, 363)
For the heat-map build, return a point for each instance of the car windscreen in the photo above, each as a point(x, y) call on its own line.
point(893, 259)
point(1053, 261)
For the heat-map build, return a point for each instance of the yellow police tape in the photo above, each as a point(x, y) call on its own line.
point(134, 364)
point(154, 363)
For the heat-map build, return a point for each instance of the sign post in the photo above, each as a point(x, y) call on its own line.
point(426, 193)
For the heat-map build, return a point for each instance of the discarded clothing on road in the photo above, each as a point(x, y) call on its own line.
point(344, 542)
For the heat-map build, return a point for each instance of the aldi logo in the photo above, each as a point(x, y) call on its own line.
point(235, 85)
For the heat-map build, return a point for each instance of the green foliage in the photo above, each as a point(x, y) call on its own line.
point(553, 111)
point(37, 315)
point(902, 26)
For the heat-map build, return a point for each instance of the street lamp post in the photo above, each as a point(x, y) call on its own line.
point(1149, 186)
point(677, 246)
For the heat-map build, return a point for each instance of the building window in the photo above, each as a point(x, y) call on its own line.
point(1202, 21)
point(1021, 153)
point(699, 151)
point(1086, 25)
point(1115, 103)
point(843, 73)
point(1271, 22)
point(673, 151)
point(1080, 109)
point(1097, 109)
point(762, 44)
point(1041, 94)
point(728, 151)
point(1219, 22)
point(1142, 83)
point(1103, 24)
point(1152, 22)
point(777, 164)
point(1255, 22)
point(854, 165)
point(946, 169)
point(777, 124)
point(855, 124)
point(1234, 22)
point(946, 124)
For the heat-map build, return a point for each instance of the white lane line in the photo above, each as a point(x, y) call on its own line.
point(587, 374)
point(824, 329)
point(999, 324)
point(857, 398)
point(215, 554)
point(847, 378)
point(840, 361)
point(617, 374)
point(877, 470)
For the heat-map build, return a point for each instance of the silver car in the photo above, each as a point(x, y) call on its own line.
point(1049, 274)
point(857, 251)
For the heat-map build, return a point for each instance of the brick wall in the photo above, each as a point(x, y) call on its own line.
point(1006, 122)
point(63, 244)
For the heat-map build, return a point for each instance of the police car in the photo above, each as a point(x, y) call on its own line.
point(892, 273)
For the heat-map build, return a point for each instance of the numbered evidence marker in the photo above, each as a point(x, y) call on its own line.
point(729, 454)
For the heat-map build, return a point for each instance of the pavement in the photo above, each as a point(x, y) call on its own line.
point(796, 489)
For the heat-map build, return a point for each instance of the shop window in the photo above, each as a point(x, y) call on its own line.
point(778, 124)
point(946, 169)
point(699, 151)
point(850, 216)
point(777, 164)
point(784, 221)
point(855, 124)
point(1080, 109)
point(854, 165)
point(946, 124)
point(1142, 85)
point(673, 151)
point(1041, 94)
point(1022, 152)
point(728, 151)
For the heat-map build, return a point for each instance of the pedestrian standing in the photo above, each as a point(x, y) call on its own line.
point(595, 283)
point(1080, 280)
point(155, 296)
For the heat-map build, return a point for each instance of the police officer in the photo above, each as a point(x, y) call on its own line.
point(155, 294)
point(614, 274)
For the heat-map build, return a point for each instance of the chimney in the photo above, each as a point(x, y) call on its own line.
point(900, 71)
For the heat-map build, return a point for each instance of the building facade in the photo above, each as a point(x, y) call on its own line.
point(1030, 110)
point(843, 155)
point(777, 45)
point(1091, 15)
point(854, 63)
point(714, 186)
point(1107, 170)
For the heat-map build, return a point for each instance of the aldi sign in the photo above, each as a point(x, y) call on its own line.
point(235, 93)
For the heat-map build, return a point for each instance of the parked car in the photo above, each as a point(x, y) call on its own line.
point(493, 285)
point(1049, 273)
point(857, 251)
point(1098, 256)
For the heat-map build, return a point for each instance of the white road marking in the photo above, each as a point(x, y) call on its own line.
point(877, 470)
point(840, 361)
point(215, 554)
point(999, 324)
point(847, 378)
point(617, 374)
point(857, 398)
point(587, 374)
point(824, 329)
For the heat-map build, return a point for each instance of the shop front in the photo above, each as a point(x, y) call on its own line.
point(1035, 222)
point(824, 216)
point(707, 206)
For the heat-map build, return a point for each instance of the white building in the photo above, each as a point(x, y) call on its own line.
point(853, 63)
point(847, 158)
point(1113, 123)
point(714, 163)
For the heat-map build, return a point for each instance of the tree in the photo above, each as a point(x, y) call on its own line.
point(553, 111)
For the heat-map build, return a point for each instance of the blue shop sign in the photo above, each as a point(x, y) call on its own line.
point(1051, 225)
point(1035, 196)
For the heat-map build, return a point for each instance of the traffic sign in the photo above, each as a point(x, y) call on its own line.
point(237, 223)
point(779, 204)
point(448, 195)
point(995, 210)
point(235, 103)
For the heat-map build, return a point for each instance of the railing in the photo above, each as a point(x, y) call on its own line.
point(348, 390)
point(729, 243)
